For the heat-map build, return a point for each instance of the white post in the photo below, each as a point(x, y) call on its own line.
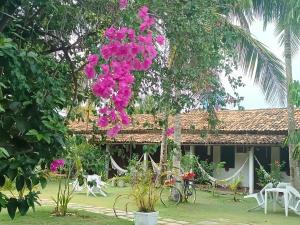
point(192, 150)
point(251, 170)
point(145, 161)
point(107, 160)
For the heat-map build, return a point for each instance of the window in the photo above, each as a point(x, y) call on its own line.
point(228, 156)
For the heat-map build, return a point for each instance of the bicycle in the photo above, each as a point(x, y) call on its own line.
point(172, 195)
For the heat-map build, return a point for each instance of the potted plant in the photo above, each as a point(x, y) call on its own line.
point(145, 196)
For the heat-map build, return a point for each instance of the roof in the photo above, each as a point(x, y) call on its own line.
point(260, 126)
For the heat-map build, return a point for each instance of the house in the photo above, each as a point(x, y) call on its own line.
point(240, 135)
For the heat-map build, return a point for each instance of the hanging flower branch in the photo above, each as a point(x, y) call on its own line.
point(125, 52)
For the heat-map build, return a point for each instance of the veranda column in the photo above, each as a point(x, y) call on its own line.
point(251, 170)
point(145, 161)
point(192, 150)
point(107, 159)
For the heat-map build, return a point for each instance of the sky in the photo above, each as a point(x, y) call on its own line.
point(254, 98)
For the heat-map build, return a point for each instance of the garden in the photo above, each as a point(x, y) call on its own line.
point(95, 96)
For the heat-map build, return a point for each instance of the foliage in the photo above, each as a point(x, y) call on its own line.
point(294, 138)
point(144, 194)
point(88, 158)
point(31, 129)
point(64, 193)
point(150, 149)
point(234, 187)
point(190, 162)
point(274, 177)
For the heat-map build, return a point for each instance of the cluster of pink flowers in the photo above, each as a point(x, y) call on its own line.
point(170, 131)
point(125, 52)
point(56, 164)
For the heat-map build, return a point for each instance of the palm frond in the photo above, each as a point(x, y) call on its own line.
point(295, 37)
point(258, 62)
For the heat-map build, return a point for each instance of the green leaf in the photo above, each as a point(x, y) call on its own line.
point(2, 180)
point(20, 182)
point(3, 153)
point(28, 184)
point(43, 182)
point(47, 138)
point(1, 108)
point(12, 173)
point(12, 207)
point(23, 207)
point(32, 132)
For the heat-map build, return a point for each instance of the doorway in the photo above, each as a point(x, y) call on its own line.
point(263, 154)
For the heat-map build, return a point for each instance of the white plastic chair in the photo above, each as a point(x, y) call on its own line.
point(260, 197)
point(279, 199)
point(76, 187)
point(294, 199)
point(95, 185)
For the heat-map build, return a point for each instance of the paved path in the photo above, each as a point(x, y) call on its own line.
point(109, 212)
point(129, 215)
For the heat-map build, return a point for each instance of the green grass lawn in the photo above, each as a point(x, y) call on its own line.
point(42, 216)
point(206, 207)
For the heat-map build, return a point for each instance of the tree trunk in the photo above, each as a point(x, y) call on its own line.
point(294, 175)
point(177, 142)
point(164, 145)
point(177, 153)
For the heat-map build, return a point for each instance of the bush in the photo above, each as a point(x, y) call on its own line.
point(274, 177)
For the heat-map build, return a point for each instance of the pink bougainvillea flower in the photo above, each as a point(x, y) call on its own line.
point(170, 131)
point(123, 4)
point(146, 64)
point(124, 118)
point(121, 34)
point(114, 131)
point(151, 51)
point(143, 12)
point(93, 59)
point(89, 71)
point(147, 24)
point(106, 52)
point(57, 164)
point(110, 33)
point(105, 69)
point(131, 34)
point(104, 110)
point(103, 87)
point(145, 39)
point(160, 39)
point(103, 121)
point(125, 52)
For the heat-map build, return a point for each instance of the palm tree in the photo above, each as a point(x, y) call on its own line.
point(285, 14)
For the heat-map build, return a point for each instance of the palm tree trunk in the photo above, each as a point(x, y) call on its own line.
point(294, 177)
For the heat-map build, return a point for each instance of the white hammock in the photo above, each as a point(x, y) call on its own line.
point(222, 180)
point(262, 168)
point(155, 167)
point(115, 166)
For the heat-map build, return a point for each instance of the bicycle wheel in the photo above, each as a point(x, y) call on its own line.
point(170, 196)
point(190, 193)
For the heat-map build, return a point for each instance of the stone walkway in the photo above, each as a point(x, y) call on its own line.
point(109, 212)
point(129, 215)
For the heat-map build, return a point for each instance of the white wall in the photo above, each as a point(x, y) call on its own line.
point(239, 160)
